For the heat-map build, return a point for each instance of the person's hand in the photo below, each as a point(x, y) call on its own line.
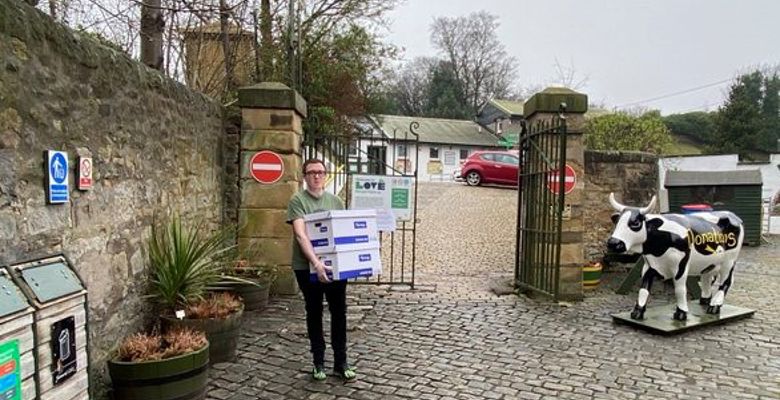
point(322, 271)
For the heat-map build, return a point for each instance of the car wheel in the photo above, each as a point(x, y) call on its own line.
point(473, 178)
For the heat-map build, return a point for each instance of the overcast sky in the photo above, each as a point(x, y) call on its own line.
point(630, 50)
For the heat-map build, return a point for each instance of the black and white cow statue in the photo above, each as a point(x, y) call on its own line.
point(675, 246)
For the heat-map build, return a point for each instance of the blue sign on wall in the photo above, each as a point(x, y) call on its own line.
point(57, 171)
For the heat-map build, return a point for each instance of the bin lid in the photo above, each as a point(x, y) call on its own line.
point(12, 299)
point(50, 279)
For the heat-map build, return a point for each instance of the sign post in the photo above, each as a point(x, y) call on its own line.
point(57, 172)
point(570, 180)
point(266, 167)
point(390, 196)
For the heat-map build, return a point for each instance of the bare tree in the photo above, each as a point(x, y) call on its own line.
point(194, 32)
point(411, 86)
point(481, 63)
point(321, 18)
point(266, 40)
point(152, 27)
point(566, 75)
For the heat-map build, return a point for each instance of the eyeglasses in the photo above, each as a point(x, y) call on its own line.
point(316, 173)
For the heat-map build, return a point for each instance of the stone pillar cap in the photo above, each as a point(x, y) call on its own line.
point(271, 95)
point(549, 101)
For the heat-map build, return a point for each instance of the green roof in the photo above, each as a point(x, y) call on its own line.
point(437, 130)
point(508, 106)
point(712, 178)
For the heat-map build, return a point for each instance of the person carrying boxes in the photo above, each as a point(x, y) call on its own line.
point(313, 198)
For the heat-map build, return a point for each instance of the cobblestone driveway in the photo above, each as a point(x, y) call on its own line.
point(455, 339)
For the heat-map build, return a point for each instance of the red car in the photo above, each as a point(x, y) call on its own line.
point(491, 166)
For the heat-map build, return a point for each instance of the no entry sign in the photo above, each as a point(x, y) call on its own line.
point(570, 179)
point(266, 167)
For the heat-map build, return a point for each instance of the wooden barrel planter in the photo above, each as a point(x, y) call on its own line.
point(255, 297)
point(178, 378)
point(222, 334)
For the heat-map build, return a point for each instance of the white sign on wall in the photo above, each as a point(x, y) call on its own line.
point(450, 157)
point(390, 196)
point(85, 173)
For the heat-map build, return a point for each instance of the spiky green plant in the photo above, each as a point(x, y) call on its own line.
point(185, 260)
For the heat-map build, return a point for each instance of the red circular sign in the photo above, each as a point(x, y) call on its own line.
point(570, 179)
point(266, 167)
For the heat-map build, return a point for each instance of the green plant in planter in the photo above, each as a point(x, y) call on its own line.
point(248, 277)
point(165, 367)
point(185, 261)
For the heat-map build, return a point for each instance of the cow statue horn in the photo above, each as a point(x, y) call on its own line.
point(649, 206)
point(617, 206)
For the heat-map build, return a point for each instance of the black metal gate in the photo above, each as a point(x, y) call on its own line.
point(371, 151)
point(540, 206)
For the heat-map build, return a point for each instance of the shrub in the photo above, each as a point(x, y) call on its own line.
point(217, 305)
point(149, 347)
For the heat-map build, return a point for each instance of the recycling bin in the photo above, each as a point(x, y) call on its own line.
point(17, 358)
point(59, 300)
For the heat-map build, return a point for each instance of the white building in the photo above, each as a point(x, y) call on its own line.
point(436, 152)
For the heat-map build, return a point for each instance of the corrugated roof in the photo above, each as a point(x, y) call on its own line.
point(508, 106)
point(712, 178)
point(437, 130)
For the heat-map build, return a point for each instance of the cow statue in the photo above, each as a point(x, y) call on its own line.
point(675, 246)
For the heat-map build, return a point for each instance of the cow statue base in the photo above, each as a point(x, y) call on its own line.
point(658, 319)
point(675, 246)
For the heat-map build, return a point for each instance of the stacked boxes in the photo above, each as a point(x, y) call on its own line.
point(345, 240)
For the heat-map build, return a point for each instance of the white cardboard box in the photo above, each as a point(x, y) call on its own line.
point(342, 230)
point(350, 264)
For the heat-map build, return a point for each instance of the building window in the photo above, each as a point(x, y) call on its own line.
point(353, 148)
point(464, 154)
point(401, 150)
point(434, 153)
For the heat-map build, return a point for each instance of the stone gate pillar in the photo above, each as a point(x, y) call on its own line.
point(544, 106)
point(271, 119)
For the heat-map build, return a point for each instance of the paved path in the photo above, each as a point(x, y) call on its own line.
point(455, 339)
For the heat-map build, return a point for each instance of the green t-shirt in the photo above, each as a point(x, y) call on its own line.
point(303, 203)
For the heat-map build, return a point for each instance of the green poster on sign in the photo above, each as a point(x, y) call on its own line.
point(400, 198)
point(10, 371)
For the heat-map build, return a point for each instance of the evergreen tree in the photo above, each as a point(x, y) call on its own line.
point(748, 122)
point(770, 115)
point(444, 94)
point(697, 125)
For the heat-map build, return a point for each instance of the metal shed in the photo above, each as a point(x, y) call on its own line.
point(735, 191)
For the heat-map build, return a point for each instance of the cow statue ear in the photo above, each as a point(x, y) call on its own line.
point(615, 218)
point(654, 223)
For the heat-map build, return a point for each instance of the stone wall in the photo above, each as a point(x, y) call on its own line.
point(632, 176)
point(156, 148)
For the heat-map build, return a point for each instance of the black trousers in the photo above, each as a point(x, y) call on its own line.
point(336, 294)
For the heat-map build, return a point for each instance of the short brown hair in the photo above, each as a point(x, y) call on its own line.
point(313, 161)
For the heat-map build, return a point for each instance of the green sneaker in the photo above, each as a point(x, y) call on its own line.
point(347, 373)
point(318, 373)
